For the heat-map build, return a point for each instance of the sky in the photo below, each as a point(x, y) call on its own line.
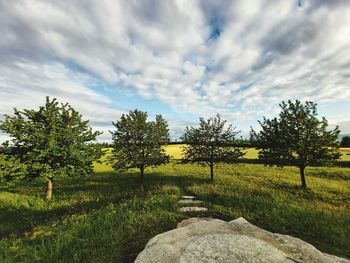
point(183, 59)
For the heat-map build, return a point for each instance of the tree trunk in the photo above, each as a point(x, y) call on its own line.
point(142, 171)
point(212, 172)
point(49, 189)
point(302, 176)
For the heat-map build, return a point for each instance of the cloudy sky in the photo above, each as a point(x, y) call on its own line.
point(181, 58)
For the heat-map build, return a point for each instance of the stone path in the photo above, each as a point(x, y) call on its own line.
point(189, 203)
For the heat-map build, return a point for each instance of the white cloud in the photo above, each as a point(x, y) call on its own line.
point(239, 58)
point(344, 125)
point(25, 85)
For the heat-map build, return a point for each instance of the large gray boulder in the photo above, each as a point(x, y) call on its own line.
point(213, 240)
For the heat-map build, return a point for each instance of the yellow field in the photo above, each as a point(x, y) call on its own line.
point(345, 154)
point(251, 153)
point(104, 166)
point(175, 152)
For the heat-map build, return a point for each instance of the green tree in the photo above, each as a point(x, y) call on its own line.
point(211, 143)
point(11, 168)
point(52, 141)
point(138, 143)
point(345, 141)
point(297, 137)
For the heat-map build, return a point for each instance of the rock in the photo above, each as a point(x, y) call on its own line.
point(188, 197)
point(213, 240)
point(192, 220)
point(192, 209)
point(189, 202)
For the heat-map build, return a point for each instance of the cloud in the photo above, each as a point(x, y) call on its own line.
point(25, 84)
point(239, 58)
point(344, 125)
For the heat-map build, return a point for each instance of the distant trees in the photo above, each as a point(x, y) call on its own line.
point(52, 141)
point(103, 144)
point(345, 141)
point(211, 143)
point(138, 143)
point(297, 137)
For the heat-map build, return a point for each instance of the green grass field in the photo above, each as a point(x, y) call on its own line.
point(109, 217)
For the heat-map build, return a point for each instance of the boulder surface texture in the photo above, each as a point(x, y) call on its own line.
point(235, 241)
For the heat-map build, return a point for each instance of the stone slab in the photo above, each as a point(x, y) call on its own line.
point(188, 197)
point(229, 242)
point(193, 209)
point(189, 201)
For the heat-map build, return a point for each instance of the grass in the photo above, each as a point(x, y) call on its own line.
point(109, 217)
point(102, 218)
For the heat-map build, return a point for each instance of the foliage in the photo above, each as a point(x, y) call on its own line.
point(103, 144)
point(296, 137)
point(138, 143)
point(11, 168)
point(345, 141)
point(244, 143)
point(211, 143)
point(52, 141)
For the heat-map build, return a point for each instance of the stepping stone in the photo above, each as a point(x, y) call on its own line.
point(188, 197)
point(189, 201)
point(193, 209)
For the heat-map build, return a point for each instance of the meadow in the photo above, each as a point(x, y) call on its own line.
point(109, 216)
point(175, 151)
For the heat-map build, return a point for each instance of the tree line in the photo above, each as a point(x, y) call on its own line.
point(55, 141)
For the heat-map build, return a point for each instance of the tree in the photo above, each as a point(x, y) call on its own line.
point(296, 138)
point(52, 141)
point(345, 141)
point(138, 143)
point(211, 143)
point(11, 168)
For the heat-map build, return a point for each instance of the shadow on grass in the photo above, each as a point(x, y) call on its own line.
point(17, 221)
point(334, 197)
point(79, 196)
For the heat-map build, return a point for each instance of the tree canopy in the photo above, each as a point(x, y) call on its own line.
point(138, 143)
point(52, 141)
point(11, 168)
point(345, 141)
point(211, 143)
point(297, 137)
